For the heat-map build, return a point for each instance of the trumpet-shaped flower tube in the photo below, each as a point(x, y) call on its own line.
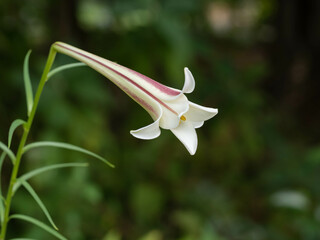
point(168, 107)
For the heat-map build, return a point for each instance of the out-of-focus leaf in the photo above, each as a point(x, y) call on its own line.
point(2, 200)
point(313, 155)
point(39, 224)
point(3, 155)
point(152, 235)
point(37, 171)
point(147, 201)
point(66, 146)
point(94, 15)
point(23, 239)
point(27, 83)
point(112, 235)
point(290, 199)
point(64, 67)
point(14, 125)
point(40, 203)
point(8, 151)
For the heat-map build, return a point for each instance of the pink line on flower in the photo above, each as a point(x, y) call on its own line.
point(122, 75)
point(140, 100)
point(156, 84)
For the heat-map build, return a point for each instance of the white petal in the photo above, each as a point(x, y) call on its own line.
point(148, 132)
point(153, 130)
point(199, 113)
point(186, 133)
point(188, 87)
point(118, 74)
point(197, 124)
point(189, 83)
point(171, 119)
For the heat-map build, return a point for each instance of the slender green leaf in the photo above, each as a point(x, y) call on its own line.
point(37, 171)
point(8, 151)
point(65, 146)
point(1, 210)
point(27, 82)
point(64, 67)
point(3, 155)
point(40, 203)
point(39, 224)
point(16, 123)
point(23, 239)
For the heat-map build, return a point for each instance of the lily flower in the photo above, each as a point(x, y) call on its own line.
point(168, 107)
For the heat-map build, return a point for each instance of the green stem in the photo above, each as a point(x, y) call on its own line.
point(23, 140)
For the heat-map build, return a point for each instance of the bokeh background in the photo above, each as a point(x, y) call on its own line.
point(256, 173)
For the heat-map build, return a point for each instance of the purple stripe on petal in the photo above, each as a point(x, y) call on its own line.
point(141, 101)
point(122, 75)
point(156, 84)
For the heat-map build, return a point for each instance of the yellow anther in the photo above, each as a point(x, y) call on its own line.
point(183, 118)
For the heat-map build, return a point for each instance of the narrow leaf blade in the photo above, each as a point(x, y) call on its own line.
point(37, 171)
point(2, 157)
point(1, 210)
point(23, 239)
point(64, 67)
point(8, 152)
point(40, 203)
point(27, 82)
point(39, 224)
point(14, 125)
point(66, 146)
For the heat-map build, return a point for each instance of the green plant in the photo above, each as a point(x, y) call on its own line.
point(17, 181)
point(169, 108)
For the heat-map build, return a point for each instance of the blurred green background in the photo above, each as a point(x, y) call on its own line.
point(256, 172)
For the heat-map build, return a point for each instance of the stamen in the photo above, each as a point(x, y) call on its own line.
point(183, 118)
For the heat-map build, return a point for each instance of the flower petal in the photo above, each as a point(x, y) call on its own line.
point(199, 113)
point(188, 87)
point(148, 132)
point(189, 83)
point(186, 133)
point(153, 130)
point(171, 119)
point(197, 124)
point(141, 88)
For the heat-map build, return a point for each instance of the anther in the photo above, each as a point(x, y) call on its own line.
point(183, 118)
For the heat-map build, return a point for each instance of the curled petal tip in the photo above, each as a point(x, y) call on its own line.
point(199, 113)
point(189, 83)
point(186, 133)
point(214, 111)
point(144, 136)
point(148, 132)
point(197, 124)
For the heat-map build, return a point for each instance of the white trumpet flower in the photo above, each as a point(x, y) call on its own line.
point(168, 107)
